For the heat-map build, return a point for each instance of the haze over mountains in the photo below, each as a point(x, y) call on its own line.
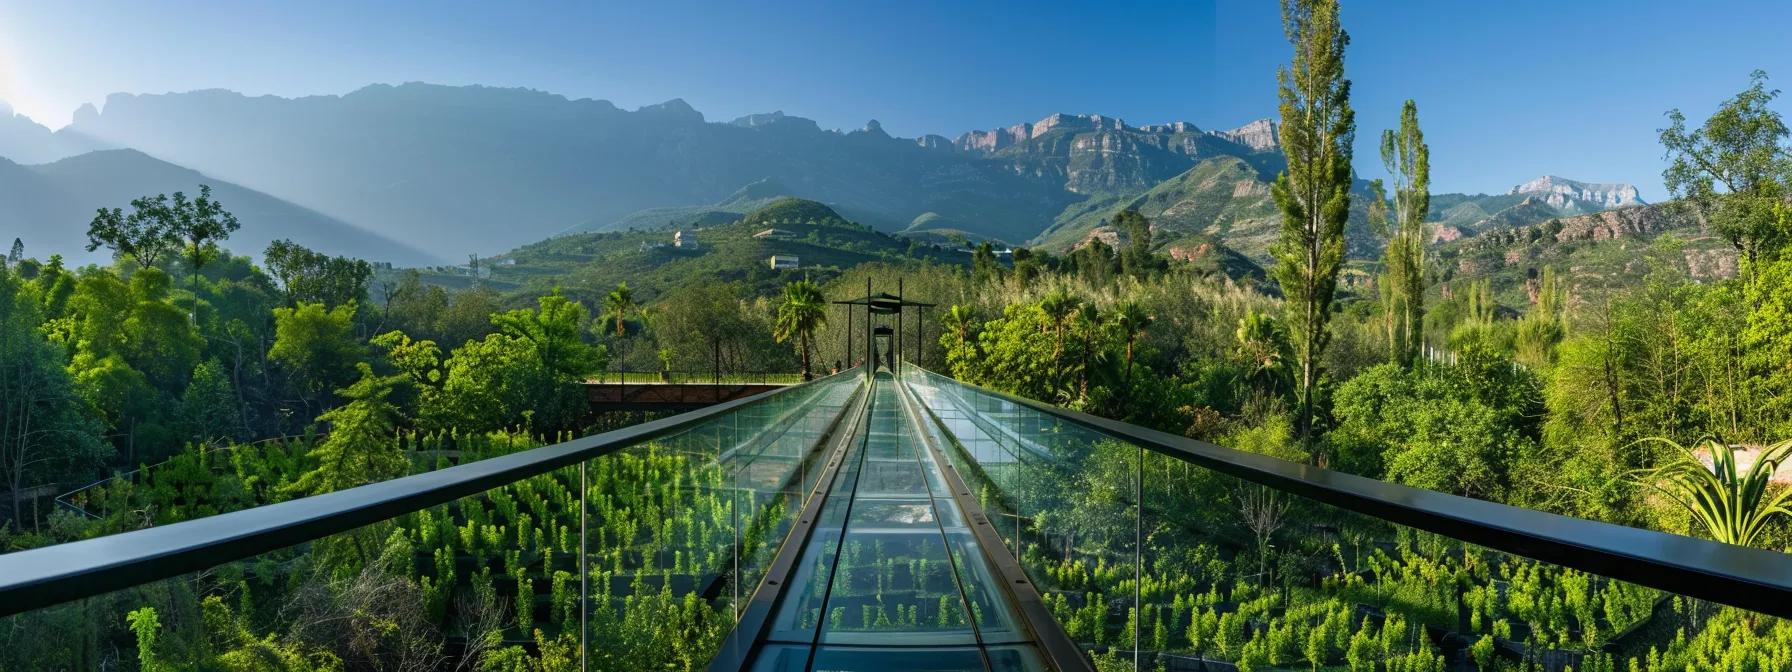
point(458, 170)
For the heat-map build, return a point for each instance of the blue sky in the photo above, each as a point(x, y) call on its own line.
point(1507, 91)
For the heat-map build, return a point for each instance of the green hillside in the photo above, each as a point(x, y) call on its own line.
point(590, 264)
point(1594, 253)
point(1221, 196)
point(743, 201)
point(1224, 197)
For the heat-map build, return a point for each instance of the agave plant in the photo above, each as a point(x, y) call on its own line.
point(1733, 508)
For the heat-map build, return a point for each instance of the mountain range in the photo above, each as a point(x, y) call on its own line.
point(49, 206)
point(459, 170)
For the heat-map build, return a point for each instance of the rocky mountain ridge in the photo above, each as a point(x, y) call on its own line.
point(482, 169)
point(1570, 195)
point(1258, 135)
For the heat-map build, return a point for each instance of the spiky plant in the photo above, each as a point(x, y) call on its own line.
point(1733, 508)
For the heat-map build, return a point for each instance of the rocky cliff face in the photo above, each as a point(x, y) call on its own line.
point(1000, 138)
point(931, 141)
point(1259, 135)
point(1096, 154)
point(1569, 195)
point(1625, 222)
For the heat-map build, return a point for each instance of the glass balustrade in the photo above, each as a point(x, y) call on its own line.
point(676, 531)
point(1214, 572)
point(648, 556)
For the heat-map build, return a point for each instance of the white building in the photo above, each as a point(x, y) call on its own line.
point(781, 262)
point(685, 240)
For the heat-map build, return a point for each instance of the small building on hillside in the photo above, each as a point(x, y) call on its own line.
point(685, 240)
point(782, 262)
point(774, 234)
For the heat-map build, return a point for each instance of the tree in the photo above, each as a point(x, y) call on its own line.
point(210, 410)
point(316, 346)
point(142, 236)
point(1541, 329)
point(1263, 344)
point(801, 311)
point(1408, 160)
point(1733, 508)
point(43, 423)
point(984, 266)
point(1130, 320)
point(202, 222)
point(618, 304)
point(556, 331)
point(1089, 322)
point(1136, 259)
point(958, 325)
point(1734, 169)
point(1313, 194)
point(1058, 305)
point(17, 254)
point(312, 277)
point(361, 447)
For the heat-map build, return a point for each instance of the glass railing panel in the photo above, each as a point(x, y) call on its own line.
point(662, 538)
point(1068, 512)
point(683, 528)
point(1240, 573)
point(490, 577)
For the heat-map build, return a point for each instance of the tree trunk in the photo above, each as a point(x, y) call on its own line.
point(805, 340)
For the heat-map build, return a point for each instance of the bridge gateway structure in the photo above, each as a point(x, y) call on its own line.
point(879, 520)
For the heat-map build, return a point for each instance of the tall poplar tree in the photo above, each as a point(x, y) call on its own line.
point(1408, 160)
point(1317, 130)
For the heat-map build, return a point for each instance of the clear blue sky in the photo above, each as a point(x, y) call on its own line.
point(1507, 91)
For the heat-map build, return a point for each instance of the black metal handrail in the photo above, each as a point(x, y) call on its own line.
point(700, 377)
point(1739, 576)
point(65, 572)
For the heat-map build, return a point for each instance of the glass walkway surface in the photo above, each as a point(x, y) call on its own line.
point(890, 522)
point(892, 577)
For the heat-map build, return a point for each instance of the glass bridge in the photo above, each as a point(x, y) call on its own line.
point(880, 521)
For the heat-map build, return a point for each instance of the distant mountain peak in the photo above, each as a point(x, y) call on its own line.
point(995, 139)
point(675, 107)
point(757, 120)
point(5, 110)
point(1259, 135)
point(1566, 194)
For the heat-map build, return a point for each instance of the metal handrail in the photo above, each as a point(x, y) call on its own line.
point(65, 572)
point(700, 377)
point(1739, 576)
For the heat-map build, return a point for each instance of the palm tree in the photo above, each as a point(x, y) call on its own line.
point(620, 303)
point(800, 313)
point(1733, 509)
point(1261, 340)
point(1131, 320)
point(958, 321)
point(1089, 317)
point(1058, 306)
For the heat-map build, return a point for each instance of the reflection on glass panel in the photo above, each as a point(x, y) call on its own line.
point(475, 580)
point(676, 526)
point(1063, 494)
point(683, 528)
point(1245, 575)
